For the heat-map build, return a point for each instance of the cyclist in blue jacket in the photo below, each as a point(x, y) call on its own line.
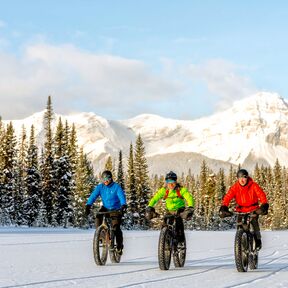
point(113, 198)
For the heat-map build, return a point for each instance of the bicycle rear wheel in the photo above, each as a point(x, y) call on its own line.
point(253, 255)
point(179, 253)
point(115, 257)
point(100, 245)
point(164, 248)
point(241, 250)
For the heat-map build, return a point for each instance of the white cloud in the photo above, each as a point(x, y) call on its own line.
point(222, 80)
point(97, 82)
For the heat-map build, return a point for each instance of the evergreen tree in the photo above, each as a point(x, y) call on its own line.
point(120, 172)
point(21, 192)
point(73, 159)
point(231, 176)
point(9, 182)
point(48, 168)
point(2, 137)
point(33, 201)
point(278, 207)
point(141, 178)
point(109, 165)
point(132, 210)
point(63, 176)
point(84, 184)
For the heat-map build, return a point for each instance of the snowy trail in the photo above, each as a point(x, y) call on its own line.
point(63, 258)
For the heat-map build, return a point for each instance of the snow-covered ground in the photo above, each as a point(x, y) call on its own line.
point(63, 258)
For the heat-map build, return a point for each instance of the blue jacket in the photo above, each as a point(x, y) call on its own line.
point(112, 196)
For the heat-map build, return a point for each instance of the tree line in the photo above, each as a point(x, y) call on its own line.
point(48, 184)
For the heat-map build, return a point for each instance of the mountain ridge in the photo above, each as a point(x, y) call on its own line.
point(252, 128)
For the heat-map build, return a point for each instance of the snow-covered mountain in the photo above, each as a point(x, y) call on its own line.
point(253, 129)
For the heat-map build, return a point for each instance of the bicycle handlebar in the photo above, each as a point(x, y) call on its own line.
point(113, 212)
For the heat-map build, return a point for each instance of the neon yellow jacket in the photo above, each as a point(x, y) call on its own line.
point(173, 202)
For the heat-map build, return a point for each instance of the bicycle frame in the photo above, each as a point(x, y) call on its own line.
point(170, 222)
point(247, 251)
point(104, 239)
point(168, 243)
point(107, 223)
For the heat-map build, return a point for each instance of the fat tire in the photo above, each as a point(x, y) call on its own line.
point(164, 248)
point(100, 246)
point(253, 255)
point(240, 250)
point(179, 255)
point(114, 256)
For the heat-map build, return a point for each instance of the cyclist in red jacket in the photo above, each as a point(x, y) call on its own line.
point(247, 195)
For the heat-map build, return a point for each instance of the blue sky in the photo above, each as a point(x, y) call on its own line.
point(178, 59)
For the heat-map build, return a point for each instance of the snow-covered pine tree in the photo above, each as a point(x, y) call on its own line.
point(2, 134)
point(219, 194)
point(109, 165)
point(285, 197)
point(132, 215)
point(210, 200)
point(84, 184)
point(231, 177)
point(48, 169)
point(142, 179)
point(21, 193)
point(73, 158)
point(33, 201)
point(9, 184)
point(120, 172)
point(63, 176)
point(278, 207)
point(268, 184)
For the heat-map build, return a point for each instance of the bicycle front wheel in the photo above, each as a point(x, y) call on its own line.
point(164, 248)
point(241, 249)
point(100, 245)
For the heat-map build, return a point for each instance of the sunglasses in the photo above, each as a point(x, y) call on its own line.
point(170, 181)
point(106, 179)
point(244, 176)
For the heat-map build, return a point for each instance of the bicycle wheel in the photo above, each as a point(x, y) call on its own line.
point(164, 248)
point(179, 253)
point(253, 255)
point(115, 257)
point(241, 250)
point(100, 245)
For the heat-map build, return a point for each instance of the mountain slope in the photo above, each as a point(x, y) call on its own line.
point(253, 129)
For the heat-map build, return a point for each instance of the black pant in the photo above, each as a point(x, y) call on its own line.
point(116, 222)
point(255, 224)
point(179, 225)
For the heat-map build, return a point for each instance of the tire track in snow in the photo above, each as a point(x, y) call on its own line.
point(171, 278)
point(270, 274)
point(122, 273)
point(77, 278)
point(185, 275)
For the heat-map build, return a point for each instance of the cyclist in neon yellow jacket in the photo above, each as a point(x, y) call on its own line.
point(175, 197)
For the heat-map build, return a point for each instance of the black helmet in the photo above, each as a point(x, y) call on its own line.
point(171, 176)
point(106, 175)
point(242, 173)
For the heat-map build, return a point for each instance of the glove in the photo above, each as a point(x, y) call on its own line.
point(123, 208)
point(150, 212)
point(188, 213)
point(224, 212)
point(87, 210)
point(264, 208)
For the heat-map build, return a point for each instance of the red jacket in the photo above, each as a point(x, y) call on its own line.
point(247, 197)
